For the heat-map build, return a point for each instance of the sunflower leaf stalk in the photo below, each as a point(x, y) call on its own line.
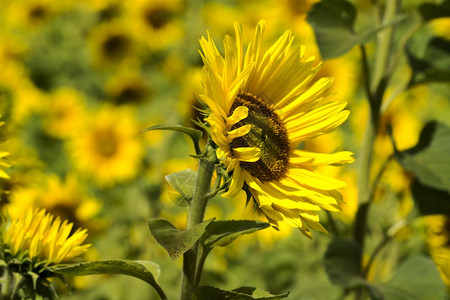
point(196, 215)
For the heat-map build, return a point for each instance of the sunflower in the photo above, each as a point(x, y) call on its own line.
point(108, 148)
point(128, 86)
point(66, 199)
point(42, 236)
point(64, 112)
point(438, 240)
point(263, 106)
point(158, 21)
point(112, 43)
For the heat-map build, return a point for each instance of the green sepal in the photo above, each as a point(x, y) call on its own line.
point(145, 270)
point(242, 293)
point(184, 183)
point(194, 134)
point(415, 279)
point(174, 241)
point(222, 233)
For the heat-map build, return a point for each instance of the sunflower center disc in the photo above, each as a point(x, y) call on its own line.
point(268, 134)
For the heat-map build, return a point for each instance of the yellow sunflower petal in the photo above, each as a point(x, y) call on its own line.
point(301, 157)
point(238, 132)
point(240, 113)
point(237, 181)
point(316, 180)
point(248, 154)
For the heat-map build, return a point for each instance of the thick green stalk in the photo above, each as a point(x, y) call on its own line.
point(196, 214)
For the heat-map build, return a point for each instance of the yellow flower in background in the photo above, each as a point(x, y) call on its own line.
point(128, 86)
point(66, 199)
point(438, 239)
point(112, 43)
point(263, 106)
point(441, 27)
point(43, 238)
point(64, 113)
point(157, 22)
point(30, 14)
point(108, 148)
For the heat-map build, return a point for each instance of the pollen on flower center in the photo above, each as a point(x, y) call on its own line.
point(267, 133)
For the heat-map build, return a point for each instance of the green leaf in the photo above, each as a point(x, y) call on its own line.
point(430, 201)
point(222, 233)
point(415, 279)
point(429, 160)
point(194, 134)
point(429, 58)
point(430, 11)
point(176, 242)
point(342, 263)
point(183, 182)
point(145, 270)
point(242, 293)
point(332, 21)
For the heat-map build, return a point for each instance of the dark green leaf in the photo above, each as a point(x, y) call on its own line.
point(176, 242)
point(342, 262)
point(429, 58)
point(429, 160)
point(416, 279)
point(242, 293)
point(183, 182)
point(430, 11)
point(194, 134)
point(430, 201)
point(332, 21)
point(145, 270)
point(222, 233)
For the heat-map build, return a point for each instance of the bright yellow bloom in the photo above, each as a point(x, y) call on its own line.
point(264, 104)
point(108, 148)
point(44, 238)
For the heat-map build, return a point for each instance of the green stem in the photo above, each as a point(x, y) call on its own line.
point(375, 92)
point(196, 214)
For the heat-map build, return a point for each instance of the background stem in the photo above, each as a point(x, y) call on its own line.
point(375, 92)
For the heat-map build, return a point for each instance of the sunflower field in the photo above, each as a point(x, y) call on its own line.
point(225, 149)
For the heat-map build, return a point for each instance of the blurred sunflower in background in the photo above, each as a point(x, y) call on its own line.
point(112, 43)
point(438, 239)
point(108, 148)
point(157, 22)
point(264, 104)
point(128, 86)
point(65, 198)
point(64, 113)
